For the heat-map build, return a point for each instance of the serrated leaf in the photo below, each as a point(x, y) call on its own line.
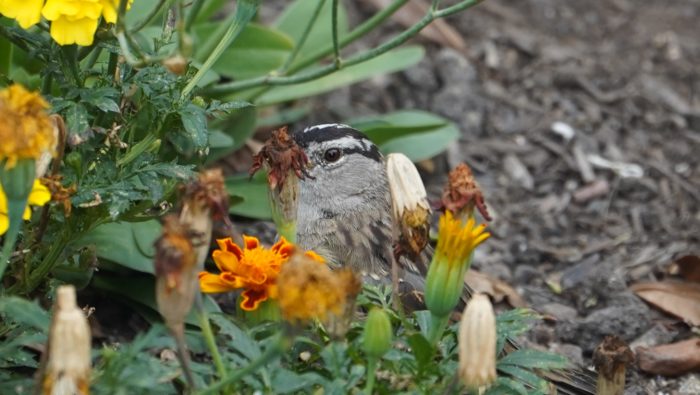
point(534, 359)
point(506, 386)
point(77, 118)
point(421, 348)
point(240, 340)
point(249, 197)
point(22, 311)
point(194, 120)
point(525, 376)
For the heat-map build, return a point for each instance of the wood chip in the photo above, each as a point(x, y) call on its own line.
point(670, 359)
point(498, 290)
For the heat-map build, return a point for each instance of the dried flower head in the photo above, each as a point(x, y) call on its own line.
point(38, 196)
point(282, 155)
point(410, 204)
point(611, 358)
point(463, 194)
point(309, 289)
point(68, 361)
point(477, 343)
point(252, 268)
point(59, 193)
point(176, 271)
point(26, 131)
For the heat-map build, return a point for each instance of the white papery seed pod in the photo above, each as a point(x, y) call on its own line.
point(477, 343)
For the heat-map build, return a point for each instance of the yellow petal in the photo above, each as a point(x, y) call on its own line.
point(212, 283)
point(4, 223)
point(79, 32)
point(26, 12)
point(39, 195)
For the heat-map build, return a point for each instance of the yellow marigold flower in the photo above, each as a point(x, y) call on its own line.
point(26, 12)
point(39, 196)
point(26, 131)
point(252, 268)
point(73, 21)
point(309, 289)
point(445, 279)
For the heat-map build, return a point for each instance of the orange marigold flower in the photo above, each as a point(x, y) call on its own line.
point(253, 268)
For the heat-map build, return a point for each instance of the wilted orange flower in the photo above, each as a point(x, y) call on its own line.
point(310, 290)
point(26, 131)
point(253, 268)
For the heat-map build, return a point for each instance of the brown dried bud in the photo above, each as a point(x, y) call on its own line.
point(410, 204)
point(462, 193)
point(59, 193)
point(204, 199)
point(68, 361)
point(176, 64)
point(176, 271)
point(477, 343)
point(282, 155)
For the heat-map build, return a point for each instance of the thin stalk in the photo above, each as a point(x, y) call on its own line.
point(69, 55)
point(7, 247)
point(322, 71)
point(244, 13)
point(11, 38)
point(437, 328)
point(208, 334)
point(5, 55)
point(371, 367)
point(93, 58)
point(277, 347)
point(334, 25)
point(194, 11)
point(178, 332)
point(149, 17)
point(302, 38)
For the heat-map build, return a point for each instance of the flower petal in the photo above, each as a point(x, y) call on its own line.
point(39, 195)
point(252, 299)
point(228, 245)
point(315, 256)
point(250, 242)
point(212, 283)
point(26, 12)
point(225, 261)
point(4, 223)
point(81, 31)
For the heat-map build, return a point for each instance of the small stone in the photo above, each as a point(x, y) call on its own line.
point(559, 311)
point(690, 385)
point(572, 352)
point(454, 68)
point(525, 274)
point(658, 334)
point(422, 75)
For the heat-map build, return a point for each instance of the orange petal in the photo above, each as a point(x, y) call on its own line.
point(257, 276)
point(228, 245)
point(225, 261)
point(252, 298)
point(232, 280)
point(250, 242)
point(212, 283)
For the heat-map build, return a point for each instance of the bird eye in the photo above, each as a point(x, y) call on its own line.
point(332, 155)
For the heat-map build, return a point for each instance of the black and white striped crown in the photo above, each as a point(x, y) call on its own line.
point(349, 140)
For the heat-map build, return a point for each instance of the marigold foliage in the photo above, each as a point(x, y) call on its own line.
point(26, 131)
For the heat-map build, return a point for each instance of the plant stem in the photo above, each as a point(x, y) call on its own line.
point(147, 20)
point(208, 334)
point(245, 10)
point(11, 38)
point(178, 332)
point(49, 261)
point(371, 367)
point(69, 55)
point(437, 327)
point(5, 53)
point(334, 24)
point(194, 11)
point(322, 71)
point(277, 346)
point(302, 38)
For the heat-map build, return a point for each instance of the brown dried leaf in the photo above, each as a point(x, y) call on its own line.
point(689, 267)
point(438, 31)
point(670, 359)
point(681, 299)
point(495, 288)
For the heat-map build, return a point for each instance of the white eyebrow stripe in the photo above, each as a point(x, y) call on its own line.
point(326, 126)
point(346, 142)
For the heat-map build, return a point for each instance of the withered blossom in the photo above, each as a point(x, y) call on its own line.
point(282, 155)
point(463, 194)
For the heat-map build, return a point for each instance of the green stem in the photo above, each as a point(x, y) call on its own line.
point(334, 24)
point(302, 39)
point(208, 334)
point(93, 58)
point(7, 248)
point(149, 17)
point(437, 328)
point(278, 346)
point(245, 10)
point(316, 73)
point(194, 11)
point(69, 55)
point(178, 332)
point(49, 261)
point(5, 53)
point(371, 367)
point(11, 38)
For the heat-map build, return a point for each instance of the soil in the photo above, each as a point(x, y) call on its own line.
point(581, 121)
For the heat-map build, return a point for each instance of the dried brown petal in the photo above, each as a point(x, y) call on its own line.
point(463, 193)
point(282, 155)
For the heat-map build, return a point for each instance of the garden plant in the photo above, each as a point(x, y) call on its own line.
point(113, 117)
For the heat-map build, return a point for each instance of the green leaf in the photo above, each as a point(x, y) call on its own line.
point(129, 244)
point(506, 386)
point(395, 60)
point(524, 376)
point(194, 120)
point(534, 359)
point(240, 340)
point(77, 118)
point(24, 312)
point(250, 197)
point(421, 348)
point(295, 18)
point(257, 51)
point(417, 134)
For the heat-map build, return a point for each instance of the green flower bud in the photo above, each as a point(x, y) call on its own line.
point(378, 335)
point(75, 161)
